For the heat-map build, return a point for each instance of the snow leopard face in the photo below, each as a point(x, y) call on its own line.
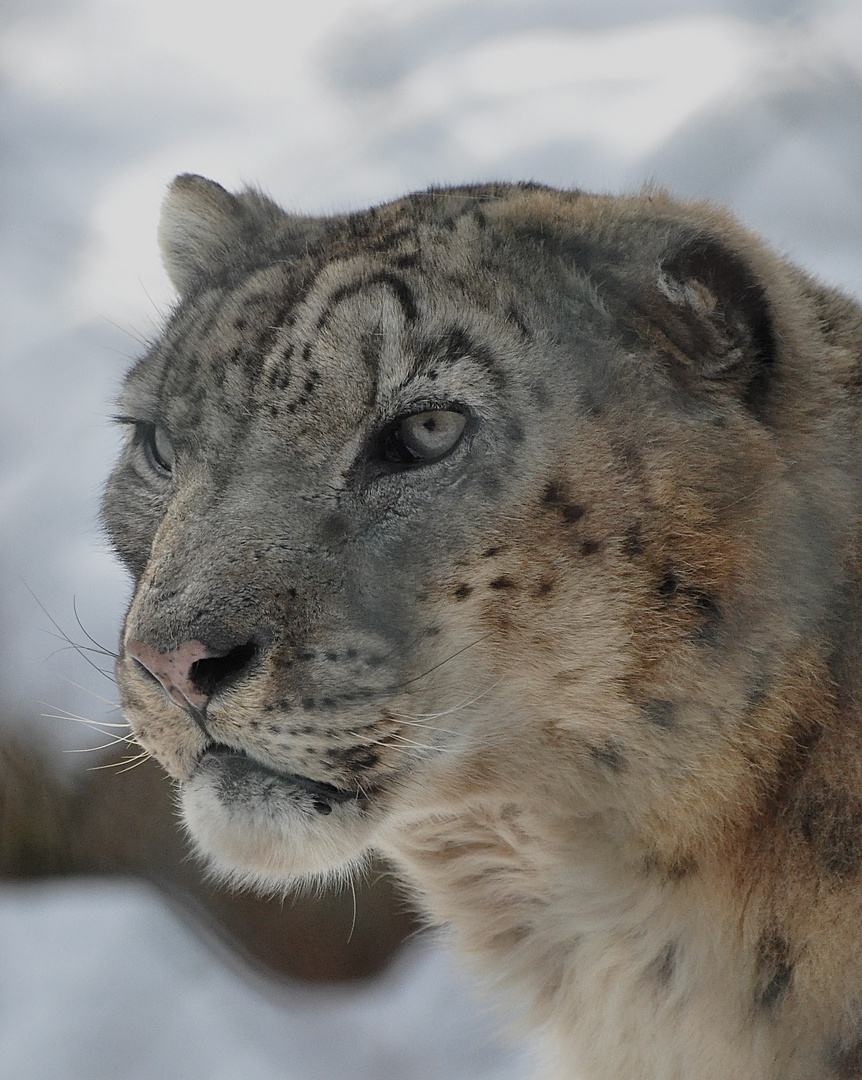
point(418, 495)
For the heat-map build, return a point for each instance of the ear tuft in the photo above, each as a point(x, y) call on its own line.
point(201, 224)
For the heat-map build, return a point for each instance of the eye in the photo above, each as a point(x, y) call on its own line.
point(422, 437)
point(158, 449)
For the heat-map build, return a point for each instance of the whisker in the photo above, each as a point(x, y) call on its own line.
point(368, 741)
point(115, 741)
point(66, 714)
point(88, 635)
point(87, 690)
point(466, 703)
point(411, 722)
point(126, 330)
point(96, 725)
point(437, 667)
point(130, 763)
point(353, 920)
point(419, 745)
point(76, 645)
point(82, 650)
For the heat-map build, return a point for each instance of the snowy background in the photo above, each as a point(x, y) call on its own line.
point(328, 105)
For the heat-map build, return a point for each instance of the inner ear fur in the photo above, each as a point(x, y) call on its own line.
point(713, 309)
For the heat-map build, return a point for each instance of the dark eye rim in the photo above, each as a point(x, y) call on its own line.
point(387, 452)
point(145, 439)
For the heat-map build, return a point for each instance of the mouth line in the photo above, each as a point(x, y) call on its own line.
point(318, 789)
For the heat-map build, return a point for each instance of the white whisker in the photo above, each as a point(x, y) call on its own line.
point(92, 693)
point(129, 763)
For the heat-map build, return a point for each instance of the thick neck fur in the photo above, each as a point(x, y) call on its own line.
point(631, 972)
point(727, 966)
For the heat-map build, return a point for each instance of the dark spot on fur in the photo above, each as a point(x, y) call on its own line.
point(705, 605)
point(540, 396)
point(405, 261)
point(332, 656)
point(306, 654)
point(456, 344)
point(543, 588)
point(354, 758)
point(662, 969)
point(515, 432)
point(309, 729)
point(846, 1060)
point(609, 755)
point(674, 870)
point(590, 547)
point(517, 319)
point(463, 591)
point(660, 713)
point(757, 689)
point(322, 807)
point(490, 552)
point(432, 631)
point(774, 969)
point(633, 543)
point(334, 528)
point(832, 825)
point(681, 868)
point(502, 582)
point(555, 494)
point(668, 585)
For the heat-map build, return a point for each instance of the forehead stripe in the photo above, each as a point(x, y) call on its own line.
point(401, 290)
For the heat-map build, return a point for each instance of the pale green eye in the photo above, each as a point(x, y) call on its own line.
point(423, 437)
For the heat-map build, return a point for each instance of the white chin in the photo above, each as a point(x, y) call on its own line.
point(268, 834)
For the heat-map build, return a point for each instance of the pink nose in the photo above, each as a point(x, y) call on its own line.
point(174, 670)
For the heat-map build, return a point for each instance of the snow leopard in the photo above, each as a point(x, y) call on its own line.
point(514, 533)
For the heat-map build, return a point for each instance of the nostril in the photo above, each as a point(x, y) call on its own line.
point(192, 672)
point(213, 673)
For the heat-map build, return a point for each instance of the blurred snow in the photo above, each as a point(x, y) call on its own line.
point(104, 982)
point(327, 105)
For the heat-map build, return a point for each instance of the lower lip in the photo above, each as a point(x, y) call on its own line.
point(238, 763)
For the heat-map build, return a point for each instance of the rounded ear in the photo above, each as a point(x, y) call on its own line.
point(204, 229)
point(713, 308)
